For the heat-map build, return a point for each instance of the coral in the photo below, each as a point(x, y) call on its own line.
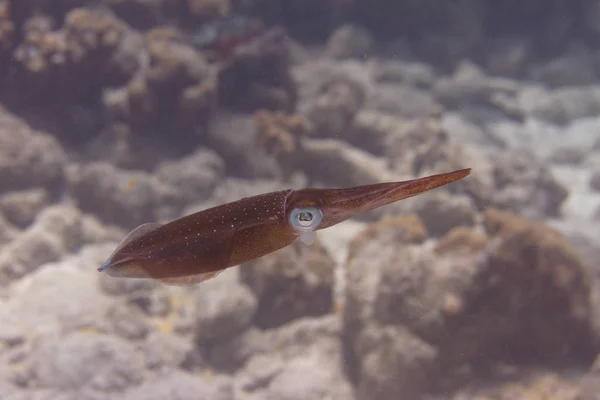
point(258, 75)
point(340, 164)
point(406, 228)
point(29, 159)
point(337, 102)
point(594, 182)
point(441, 212)
point(22, 207)
point(287, 138)
point(474, 298)
point(462, 239)
point(292, 283)
point(233, 136)
point(74, 63)
point(425, 147)
point(101, 362)
point(279, 135)
point(174, 92)
point(7, 31)
point(524, 184)
point(523, 383)
point(123, 198)
point(57, 230)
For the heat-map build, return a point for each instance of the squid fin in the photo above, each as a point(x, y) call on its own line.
point(189, 280)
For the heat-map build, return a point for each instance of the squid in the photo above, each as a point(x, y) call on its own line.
point(199, 246)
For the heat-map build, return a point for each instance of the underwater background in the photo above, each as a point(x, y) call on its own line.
point(115, 113)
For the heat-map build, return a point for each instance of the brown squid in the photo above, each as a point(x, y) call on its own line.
point(199, 246)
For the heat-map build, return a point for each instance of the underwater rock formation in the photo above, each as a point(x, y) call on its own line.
point(475, 298)
point(290, 284)
point(258, 75)
point(74, 63)
point(124, 198)
point(175, 91)
point(7, 31)
point(522, 183)
point(39, 164)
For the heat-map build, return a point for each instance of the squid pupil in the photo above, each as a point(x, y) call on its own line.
point(305, 216)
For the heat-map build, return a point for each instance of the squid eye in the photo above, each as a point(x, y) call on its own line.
point(305, 219)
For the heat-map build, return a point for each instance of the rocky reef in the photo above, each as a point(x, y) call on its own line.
point(114, 113)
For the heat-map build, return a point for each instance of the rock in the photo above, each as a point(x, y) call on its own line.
point(7, 30)
point(372, 131)
point(118, 287)
point(58, 230)
point(99, 362)
point(569, 156)
point(66, 296)
point(127, 322)
point(60, 67)
point(154, 303)
point(288, 370)
point(232, 135)
point(8, 232)
point(28, 252)
point(20, 208)
point(232, 354)
point(175, 92)
point(294, 282)
point(349, 41)
point(193, 177)
point(258, 75)
point(336, 163)
point(509, 260)
point(166, 350)
point(406, 228)
point(301, 380)
point(425, 148)
point(256, 376)
point(465, 302)
point(470, 86)
point(595, 182)
point(39, 164)
point(590, 385)
point(120, 145)
point(522, 383)
point(277, 135)
point(391, 99)
point(223, 308)
point(414, 73)
point(394, 351)
point(487, 137)
point(562, 105)
point(177, 385)
point(334, 106)
point(441, 212)
point(44, 394)
point(525, 184)
point(123, 198)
